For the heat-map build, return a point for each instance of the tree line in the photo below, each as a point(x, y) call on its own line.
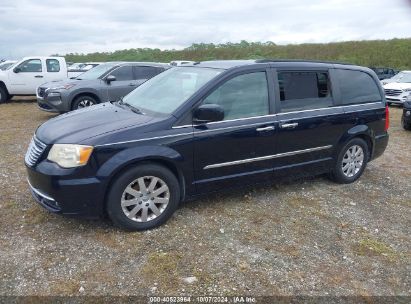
point(395, 53)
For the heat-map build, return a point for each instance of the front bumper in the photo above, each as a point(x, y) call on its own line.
point(55, 190)
point(51, 102)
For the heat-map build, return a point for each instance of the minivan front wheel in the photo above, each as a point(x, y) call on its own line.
point(351, 162)
point(143, 197)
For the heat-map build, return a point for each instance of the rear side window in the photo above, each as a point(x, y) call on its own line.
point(242, 96)
point(53, 65)
point(123, 73)
point(146, 72)
point(357, 87)
point(304, 90)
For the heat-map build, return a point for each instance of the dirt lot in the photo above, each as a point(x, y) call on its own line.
point(306, 237)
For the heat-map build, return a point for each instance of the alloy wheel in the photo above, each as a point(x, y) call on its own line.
point(352, 161)
point(85, 103)
point(145, 198)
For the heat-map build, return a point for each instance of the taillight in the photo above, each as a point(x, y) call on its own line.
point(387, 118)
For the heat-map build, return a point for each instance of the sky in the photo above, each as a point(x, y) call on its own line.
point(45, 27)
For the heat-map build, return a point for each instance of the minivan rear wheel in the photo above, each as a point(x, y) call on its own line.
point(143, 197)
point(351, 161)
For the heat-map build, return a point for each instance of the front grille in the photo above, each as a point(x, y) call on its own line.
point(41, 92)
point(34, 151)
point(389, 92)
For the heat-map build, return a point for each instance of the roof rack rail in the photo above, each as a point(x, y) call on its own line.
point(302, 60)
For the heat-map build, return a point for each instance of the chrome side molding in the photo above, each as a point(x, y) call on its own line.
point(250, 160)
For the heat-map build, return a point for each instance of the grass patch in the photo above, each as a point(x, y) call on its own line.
point(371, 247)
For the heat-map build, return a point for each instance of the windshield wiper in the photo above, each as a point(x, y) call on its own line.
point(132, 108)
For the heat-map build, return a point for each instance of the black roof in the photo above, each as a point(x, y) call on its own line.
point(298, 63)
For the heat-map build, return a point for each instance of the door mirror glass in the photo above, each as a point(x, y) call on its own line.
point(208, 113)
point(17, 70)
point(110, 78)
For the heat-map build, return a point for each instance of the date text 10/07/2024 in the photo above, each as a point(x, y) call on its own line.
point(202, 299)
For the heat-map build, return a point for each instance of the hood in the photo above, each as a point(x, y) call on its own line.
point(77, 126)
point(76, 82)
point(397, 85)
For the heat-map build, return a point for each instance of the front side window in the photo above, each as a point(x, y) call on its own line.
point(146, 72)
point(242, 96)
point(53, 65)
point(357, 87)
point(123, 73)
point(304, 90)
point(164, 93)
point(30, 66)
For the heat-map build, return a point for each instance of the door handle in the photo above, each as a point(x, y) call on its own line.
point(269, 128)
point(289, 125)
point(38, 76)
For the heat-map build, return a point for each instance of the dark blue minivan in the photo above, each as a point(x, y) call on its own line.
point(203, 127)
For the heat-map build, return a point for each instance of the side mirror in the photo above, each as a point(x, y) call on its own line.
point(16, 70)
point(110, 78)
point(208, 113)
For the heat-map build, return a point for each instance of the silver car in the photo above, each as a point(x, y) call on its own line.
point(107, 82)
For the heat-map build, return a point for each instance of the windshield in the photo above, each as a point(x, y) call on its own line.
point(6, 65)
point(402, 77)
point(96, 72)
point(167, 91)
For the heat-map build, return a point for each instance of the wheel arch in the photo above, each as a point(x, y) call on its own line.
point(87, 93)
point(168, 163)
point(359, 131)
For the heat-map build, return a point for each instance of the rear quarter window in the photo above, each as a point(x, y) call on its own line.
point(357, 87)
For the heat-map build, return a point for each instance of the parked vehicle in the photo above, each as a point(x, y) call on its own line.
point(180, 62)
point(384, 73)
point(396, 78)
point(204, 127)
point(6, 64)
point(406, 114)
point(106, 82)
point(398, 91)
point(77, 69)
point(28, 73)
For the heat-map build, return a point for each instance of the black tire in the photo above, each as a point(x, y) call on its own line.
point(337, 174)
point(117, 190)
point(83, 99)
point(4, 95)
point(406, 126)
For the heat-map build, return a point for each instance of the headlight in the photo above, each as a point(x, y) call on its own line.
point(407, 90)
point(64, 87)
point(70, 156)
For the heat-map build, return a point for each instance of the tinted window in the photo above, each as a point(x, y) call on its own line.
point(304, 90)
point(31, 65)
point(123, 73)
point(357, 87)
point(146, 72)
point(53, 65)
point(242, 96)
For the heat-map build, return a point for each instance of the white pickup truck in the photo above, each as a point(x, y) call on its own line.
point(27, 74)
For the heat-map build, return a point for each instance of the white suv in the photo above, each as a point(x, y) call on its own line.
point(398, 88)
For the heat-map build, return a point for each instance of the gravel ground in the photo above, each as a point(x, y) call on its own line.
point(306, 237)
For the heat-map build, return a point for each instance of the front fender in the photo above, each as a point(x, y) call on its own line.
point(128, 156)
